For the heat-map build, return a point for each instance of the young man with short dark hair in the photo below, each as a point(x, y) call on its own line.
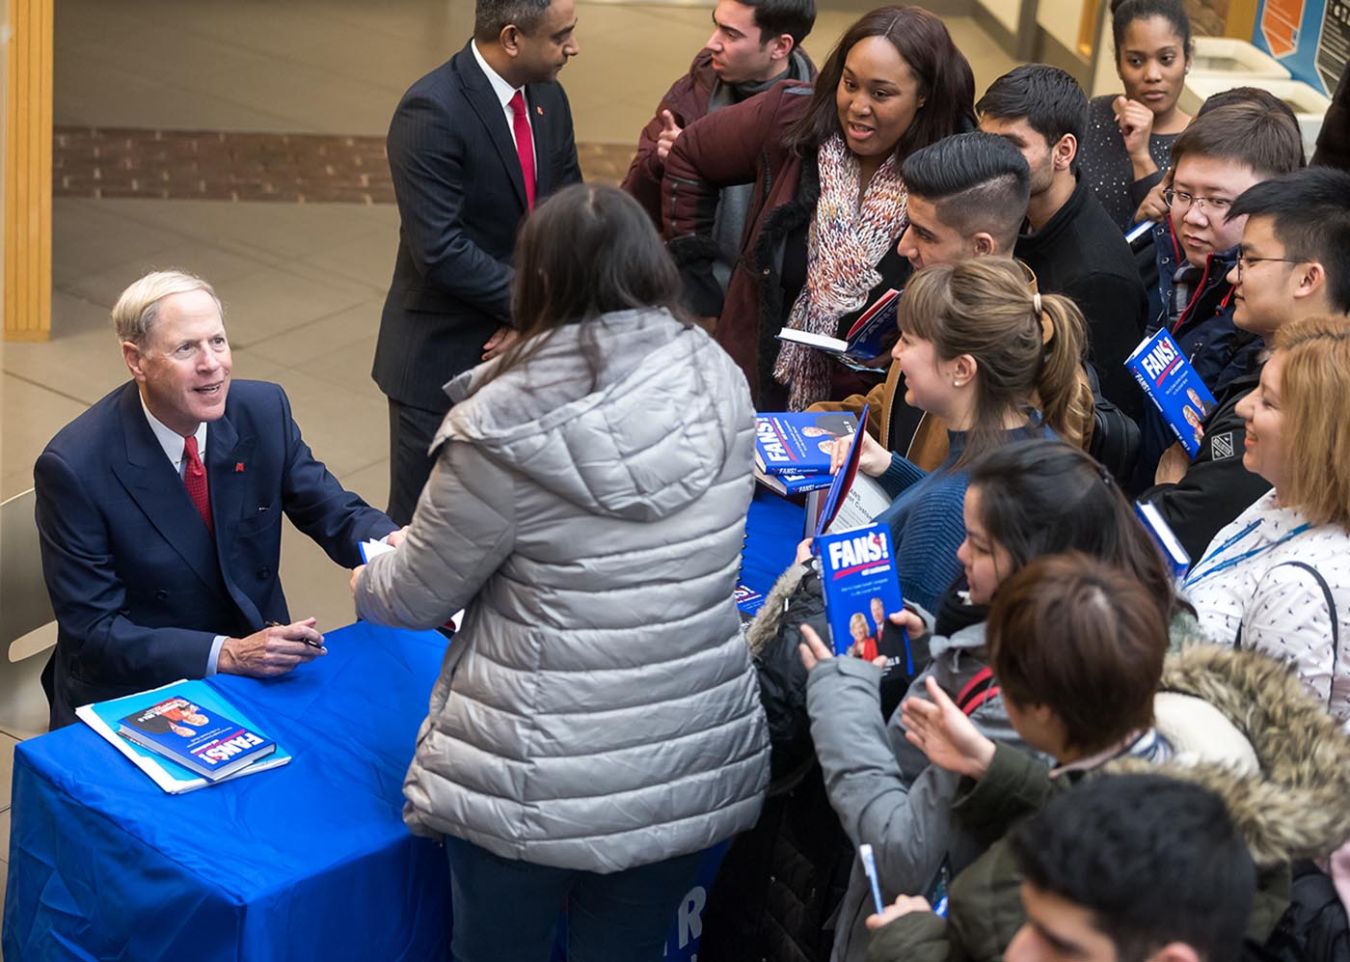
point(1293, 262)
point(754, 45)
point(1132, 867)
point(1068, 239)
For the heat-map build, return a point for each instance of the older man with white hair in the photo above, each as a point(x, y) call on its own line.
point(160, 512)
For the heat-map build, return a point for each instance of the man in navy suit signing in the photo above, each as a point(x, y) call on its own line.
point(473, 146)
point(160, 513)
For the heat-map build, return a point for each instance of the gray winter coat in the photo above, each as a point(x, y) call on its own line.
point(882, 787)
point(597, 709)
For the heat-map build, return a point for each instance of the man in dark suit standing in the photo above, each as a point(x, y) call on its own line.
point(473, 146)
point(160, 510)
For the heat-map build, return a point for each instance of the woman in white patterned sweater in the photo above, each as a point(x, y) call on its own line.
point(1278, 578)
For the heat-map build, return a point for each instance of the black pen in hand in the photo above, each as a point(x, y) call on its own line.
point(277, 624)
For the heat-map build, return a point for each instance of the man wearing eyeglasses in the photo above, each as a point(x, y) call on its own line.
point(1293, 261)
point(1221, 154)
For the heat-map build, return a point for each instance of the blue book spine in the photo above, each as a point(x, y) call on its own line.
point(861, 585)
point(789, 484)
point(799, 442)
point(1171, 383)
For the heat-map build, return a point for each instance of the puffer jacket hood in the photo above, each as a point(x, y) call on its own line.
point(570, 419)
point(1298, 804)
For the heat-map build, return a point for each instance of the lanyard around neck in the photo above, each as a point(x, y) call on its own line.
point(1197, 576)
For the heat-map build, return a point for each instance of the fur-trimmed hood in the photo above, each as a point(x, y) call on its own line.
point(769, 619)
point(1298, 804)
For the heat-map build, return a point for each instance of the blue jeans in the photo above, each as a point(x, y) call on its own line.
point(507, 910)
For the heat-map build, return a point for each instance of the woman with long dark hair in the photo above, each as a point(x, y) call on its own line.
point(596, 726)
point(829, 202)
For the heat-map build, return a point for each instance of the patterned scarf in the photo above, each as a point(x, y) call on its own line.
point(845, 243)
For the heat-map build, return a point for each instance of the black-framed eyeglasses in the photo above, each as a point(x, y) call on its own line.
point(1243, 262)
point(1214, 205)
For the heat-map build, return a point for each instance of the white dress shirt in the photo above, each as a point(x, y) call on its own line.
point(505, 92)
point(174, 444)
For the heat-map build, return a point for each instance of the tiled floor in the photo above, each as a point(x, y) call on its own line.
point(302, 283)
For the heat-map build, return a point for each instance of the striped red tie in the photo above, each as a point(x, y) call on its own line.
point(194, 476)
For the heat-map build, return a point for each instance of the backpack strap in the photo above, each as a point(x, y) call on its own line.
point(977, 691)
point(1331, 610)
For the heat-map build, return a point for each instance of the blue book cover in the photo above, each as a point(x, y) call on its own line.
point(202, 740)
point(799, 442)
point(105, 717)
point(843, 481)
point(748, 600)
point(867, 339)
point(861, 585)
point(1176, 390)
point(868, 336)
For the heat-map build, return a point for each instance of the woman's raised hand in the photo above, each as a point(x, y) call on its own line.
point(943, 732)
point(1136, 126)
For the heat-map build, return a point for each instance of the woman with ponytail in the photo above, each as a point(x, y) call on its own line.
point(996, 362)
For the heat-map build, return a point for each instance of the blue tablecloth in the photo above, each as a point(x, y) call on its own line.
point(309, 861)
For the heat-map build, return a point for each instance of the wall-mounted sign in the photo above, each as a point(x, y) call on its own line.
point(1309, 37)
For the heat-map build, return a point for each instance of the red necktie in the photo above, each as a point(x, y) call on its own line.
point(524, 144)
point(194, 476)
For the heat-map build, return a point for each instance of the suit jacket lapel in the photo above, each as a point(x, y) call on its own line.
point(149, 479)
point(484, 102)
point(228, 465)
point(542, 126)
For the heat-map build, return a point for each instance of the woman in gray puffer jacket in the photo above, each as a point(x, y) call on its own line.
point(596, 725)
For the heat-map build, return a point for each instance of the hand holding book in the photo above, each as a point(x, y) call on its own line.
point(873, 461)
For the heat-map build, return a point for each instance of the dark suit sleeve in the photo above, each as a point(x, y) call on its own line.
point(428, 156)
point(318, 505)
point(90, 599)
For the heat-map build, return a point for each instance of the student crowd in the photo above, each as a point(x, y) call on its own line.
point(1093, 758)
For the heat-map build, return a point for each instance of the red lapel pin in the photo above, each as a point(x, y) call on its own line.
point(239, 467)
